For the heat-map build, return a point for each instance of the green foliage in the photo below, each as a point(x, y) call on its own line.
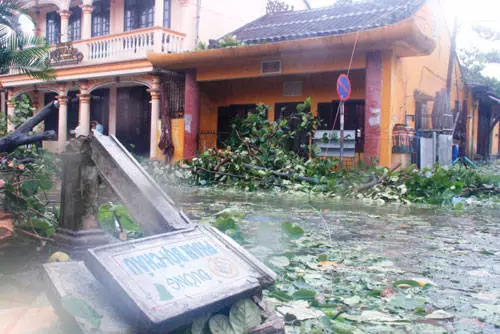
point(115, 219)
point(228, 225)
point(292, 230)
point(20, 52)
point(22, 110)
point(243, 316)
point(25, 189)
point(201, 46)
point(255, 141)
point(228, 42)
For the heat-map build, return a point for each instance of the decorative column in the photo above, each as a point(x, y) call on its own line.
point(112, 111)
point(65, 14)
point(62, 126)
point(155, 115)
point(373, 106)
point(191, 115)
point(10, 111)
point(84, 112)
point(87, 21)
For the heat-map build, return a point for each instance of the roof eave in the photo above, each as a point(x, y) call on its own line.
point(405, 38)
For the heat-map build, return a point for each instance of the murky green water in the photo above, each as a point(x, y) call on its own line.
point(368, 249)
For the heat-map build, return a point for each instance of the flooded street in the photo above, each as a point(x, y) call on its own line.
point(357, 268)
point(352, 256)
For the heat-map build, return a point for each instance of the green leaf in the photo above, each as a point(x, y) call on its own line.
point(292, 230)
point(244, 315)
point(200, 324)
point(81, 309)
point(219, 324)
point(411, 283)
point(44, 227)
point(303, 294)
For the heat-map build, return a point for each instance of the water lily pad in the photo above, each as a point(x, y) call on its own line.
point(300, 310)
point(439, 315)
point(279, 261)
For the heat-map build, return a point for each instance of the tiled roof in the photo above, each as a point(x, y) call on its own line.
point(334, 20)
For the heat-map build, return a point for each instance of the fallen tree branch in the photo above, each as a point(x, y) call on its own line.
point(471, 191)
point(291, 176)
point(374, 181)
point(221, 163)
point(21, 136)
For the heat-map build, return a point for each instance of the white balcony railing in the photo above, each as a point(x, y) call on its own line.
point(130, 45)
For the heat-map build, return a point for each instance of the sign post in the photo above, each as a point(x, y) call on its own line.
point(344, 92)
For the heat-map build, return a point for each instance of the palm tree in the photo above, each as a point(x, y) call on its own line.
point(21, 52)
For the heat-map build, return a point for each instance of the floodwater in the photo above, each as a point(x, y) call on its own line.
point(368, 249)
point(348, 261)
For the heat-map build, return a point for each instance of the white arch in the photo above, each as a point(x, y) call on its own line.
point(27, 90)
point(107, 84)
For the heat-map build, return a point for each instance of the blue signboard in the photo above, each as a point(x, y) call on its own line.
point(344, 87)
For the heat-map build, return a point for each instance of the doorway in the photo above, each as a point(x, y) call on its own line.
point(134, 119)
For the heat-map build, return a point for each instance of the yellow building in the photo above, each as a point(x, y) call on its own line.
point(397, 54)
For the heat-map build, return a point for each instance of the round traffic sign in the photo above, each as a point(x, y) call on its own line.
point(344, 87)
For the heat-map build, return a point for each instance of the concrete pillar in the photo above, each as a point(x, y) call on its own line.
point(112, 110)
point(87, 21)
point(84, 112)
point(65, 14)
point(62, 126)
point(10, 112)
point(373, 106)
point(155, 115)
point(191, 115)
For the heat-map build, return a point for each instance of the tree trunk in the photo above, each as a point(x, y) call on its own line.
point(21, 135)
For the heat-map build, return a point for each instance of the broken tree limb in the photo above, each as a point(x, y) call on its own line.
point(290, 176)
point(471, 191)
point(374, 180)
point(21, 135)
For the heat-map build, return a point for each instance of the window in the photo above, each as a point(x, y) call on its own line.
point(53, 28)
point(75, 24)
point(100, 18)
point(166, 13)
point(139, 14)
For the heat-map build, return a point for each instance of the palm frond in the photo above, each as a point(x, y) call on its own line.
point(26, 54)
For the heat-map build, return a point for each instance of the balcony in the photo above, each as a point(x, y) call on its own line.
point(126, 46)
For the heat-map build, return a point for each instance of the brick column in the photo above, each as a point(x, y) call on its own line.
point(62, 125)
point(191, 115)
point(373, 106)
point(87, 21)
point(65, 14)
point(84, 112)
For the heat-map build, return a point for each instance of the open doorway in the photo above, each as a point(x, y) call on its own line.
point(134, 119)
